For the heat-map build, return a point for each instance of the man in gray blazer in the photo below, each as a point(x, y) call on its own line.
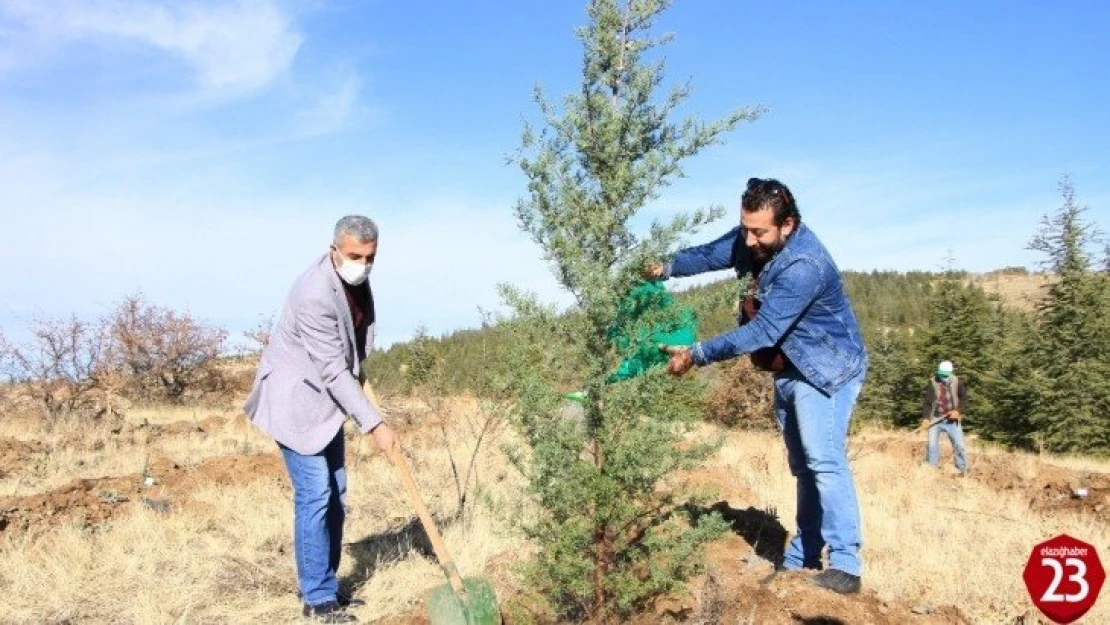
point(308, 381)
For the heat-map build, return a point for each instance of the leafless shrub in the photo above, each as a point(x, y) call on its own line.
point(426, 382)
point(259, 335)
point(164, 353)
point(71, 367)
point(7, 387)
point(60, 368)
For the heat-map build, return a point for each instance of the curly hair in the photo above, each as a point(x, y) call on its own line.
point(770, 193)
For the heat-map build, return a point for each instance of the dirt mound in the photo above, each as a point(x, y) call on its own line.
point(149, 431)
point(739, 587)
point(162, 487)
point(15, 453)
point(221, 471)
point(1048, 488)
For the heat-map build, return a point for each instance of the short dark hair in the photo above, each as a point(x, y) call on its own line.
point(770, 193)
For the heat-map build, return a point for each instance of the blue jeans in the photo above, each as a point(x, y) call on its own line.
point(319, 497)
point(955, 434)
point(815, 428)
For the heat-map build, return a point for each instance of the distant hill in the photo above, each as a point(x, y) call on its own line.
point(887, 299)
point(1017, 288)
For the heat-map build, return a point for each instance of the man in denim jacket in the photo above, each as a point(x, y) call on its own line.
point(798, 322)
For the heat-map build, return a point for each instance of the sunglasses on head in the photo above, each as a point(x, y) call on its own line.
point(773, 187)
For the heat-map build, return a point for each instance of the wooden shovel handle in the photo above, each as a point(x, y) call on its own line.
point(416, 501)
point(929, 425)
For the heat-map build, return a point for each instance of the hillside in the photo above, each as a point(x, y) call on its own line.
point(87, 537)
point(880, 299)
point(1017, 289)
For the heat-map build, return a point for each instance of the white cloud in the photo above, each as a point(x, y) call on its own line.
point(229, 259)
point(234, 47)
point(331, 110)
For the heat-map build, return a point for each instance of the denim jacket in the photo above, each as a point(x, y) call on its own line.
point(803, 311)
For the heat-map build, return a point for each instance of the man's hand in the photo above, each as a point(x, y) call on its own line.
point(955, 416)
point(681, 359)
point(924, 424)
point(384, 437)
point(382, 433)
point(653, 271)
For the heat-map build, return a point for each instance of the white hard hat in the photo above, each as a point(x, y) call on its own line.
point(945, 367)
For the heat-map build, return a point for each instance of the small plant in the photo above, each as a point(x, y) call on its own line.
point(426, 381)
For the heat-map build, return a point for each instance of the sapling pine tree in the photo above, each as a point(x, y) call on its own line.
point(608, 527)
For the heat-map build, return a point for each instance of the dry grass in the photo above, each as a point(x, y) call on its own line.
point(225, 554)
point(1021, 291)
point(213, 563)
point(929, 538)
point(1076, 463)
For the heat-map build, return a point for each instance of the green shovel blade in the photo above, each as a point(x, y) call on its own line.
point(479, 607)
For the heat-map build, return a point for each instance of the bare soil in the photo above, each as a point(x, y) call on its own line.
point(164, 486)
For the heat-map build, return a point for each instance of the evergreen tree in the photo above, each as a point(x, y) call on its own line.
point(1070, 353)
point(608, 536)
point(962, 327)
point(1010, 386)
point(888, 350)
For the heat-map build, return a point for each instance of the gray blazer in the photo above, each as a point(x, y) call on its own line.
point(308, 377)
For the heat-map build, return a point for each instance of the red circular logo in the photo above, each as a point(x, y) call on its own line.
point(1064, 577)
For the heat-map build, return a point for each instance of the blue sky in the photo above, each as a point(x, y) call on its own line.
point(200, 152)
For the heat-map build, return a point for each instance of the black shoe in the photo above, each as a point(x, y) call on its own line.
point(837, 581)
point(343, 599)
point(347, 601)
point(327, 612)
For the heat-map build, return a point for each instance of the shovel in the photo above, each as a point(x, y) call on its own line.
point(922, 428)
point(460, 601)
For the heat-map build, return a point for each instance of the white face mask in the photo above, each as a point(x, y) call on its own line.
point(353, 272)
